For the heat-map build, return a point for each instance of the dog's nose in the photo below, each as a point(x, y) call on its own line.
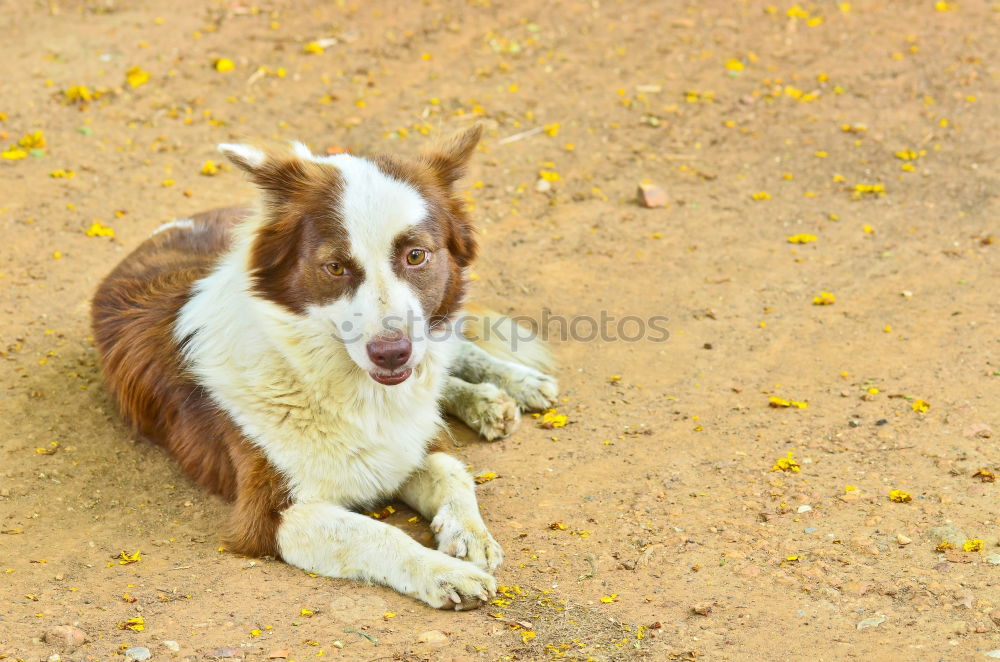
point(389, 353)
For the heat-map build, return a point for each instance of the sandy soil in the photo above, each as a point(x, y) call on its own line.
point(652, 525)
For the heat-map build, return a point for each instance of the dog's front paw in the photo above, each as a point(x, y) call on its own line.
point(492, 412)
point(444, 582)
point(466, 537)
point(533, 390)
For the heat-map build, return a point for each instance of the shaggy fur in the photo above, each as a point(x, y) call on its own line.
point(251, 343)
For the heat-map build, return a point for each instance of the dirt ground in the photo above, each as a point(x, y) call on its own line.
point(654, 524)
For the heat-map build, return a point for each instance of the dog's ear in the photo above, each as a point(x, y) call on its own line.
point(282, 177)
point(449, 160)
point(245, 157)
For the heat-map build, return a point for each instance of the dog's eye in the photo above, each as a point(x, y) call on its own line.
point(416, 257)
point(334, 269)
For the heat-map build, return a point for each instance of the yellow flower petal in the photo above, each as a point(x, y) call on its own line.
point(98, 230)
point(485, 477)
point(899, 496)
point(14, 153)
point(136, 77)
point(802, 239)
point(787, 463)
point(972, 546)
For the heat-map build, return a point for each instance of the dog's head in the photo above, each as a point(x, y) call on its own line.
point(374, 247)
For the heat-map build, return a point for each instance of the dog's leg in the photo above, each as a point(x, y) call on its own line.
point(329, 540)
point(483, 407)
point(443, 492)
point(531, 388)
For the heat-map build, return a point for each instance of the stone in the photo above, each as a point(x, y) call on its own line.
point(873, 622)
point(223, 653)
point(702, 608)
point(947, 532)
point(433, 638)
point(903, 540)
point(172, 646)
point(137, 653)
point(543, 186)
point(993, 558)
point(278, 654)
point(651, 196)
point(65, 637)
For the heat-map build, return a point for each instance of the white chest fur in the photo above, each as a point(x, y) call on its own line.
point(336, 435)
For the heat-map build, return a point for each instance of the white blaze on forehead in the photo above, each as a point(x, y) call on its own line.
point(375, 208)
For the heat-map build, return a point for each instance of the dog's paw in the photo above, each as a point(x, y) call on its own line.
point(491, 412)
point(444, 582)
point(466, 537)
point(533, 390)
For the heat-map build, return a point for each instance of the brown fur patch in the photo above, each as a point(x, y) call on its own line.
point(263, 495)
point(303, 232)
point(133, 315)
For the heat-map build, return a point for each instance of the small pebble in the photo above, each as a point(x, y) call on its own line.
point(66, 637)
point(54, 657)
point(703, 608)
point(903, 540)
point(433, 638)
point(854, 423)
point(993, 558)
point(223, 653)
point(278, 654)
point(543, 186)
point(811, 529)
point(651, 196)
point(995, 653)
point(881, 421)
point(137, 653)
point(171, 646)
point(803, 509)
point(872, 622)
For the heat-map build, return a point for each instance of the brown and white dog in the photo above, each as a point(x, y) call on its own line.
point(295, 357)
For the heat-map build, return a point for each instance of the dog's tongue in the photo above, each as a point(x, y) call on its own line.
point(391, 380)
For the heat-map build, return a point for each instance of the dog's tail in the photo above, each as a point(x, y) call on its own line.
point(505, 338)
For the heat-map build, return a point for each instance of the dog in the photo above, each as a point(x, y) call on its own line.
point(297, 356)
